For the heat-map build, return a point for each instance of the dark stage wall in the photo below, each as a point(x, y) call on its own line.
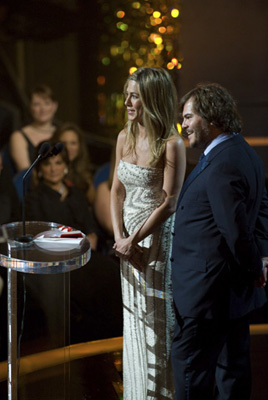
point(227, 42)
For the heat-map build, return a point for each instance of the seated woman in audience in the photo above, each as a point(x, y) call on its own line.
point(80, 174)
point(51, 199)
point(23, 143)
point(102, 212)
point(9, 202)
point(9, 212)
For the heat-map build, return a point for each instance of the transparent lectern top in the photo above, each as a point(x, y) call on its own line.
point(30, 258)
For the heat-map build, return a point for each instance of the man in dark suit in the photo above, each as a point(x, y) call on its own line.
point(219, 254)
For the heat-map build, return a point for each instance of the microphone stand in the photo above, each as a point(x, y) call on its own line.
point(42, 152)
point(25, 238)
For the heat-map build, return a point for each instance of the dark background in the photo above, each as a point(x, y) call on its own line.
point(58, 43)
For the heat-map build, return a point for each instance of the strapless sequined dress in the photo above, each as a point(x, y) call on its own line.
point(147, 295)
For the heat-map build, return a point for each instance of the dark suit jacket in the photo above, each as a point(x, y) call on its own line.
point(220, 234)
point(44, 204)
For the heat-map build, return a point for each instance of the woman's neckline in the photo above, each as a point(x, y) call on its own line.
point(140, 166)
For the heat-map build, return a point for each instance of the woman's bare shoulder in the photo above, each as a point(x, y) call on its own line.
point(17, 136)
point(122, 135)
point(175, 142)
point(121, 139)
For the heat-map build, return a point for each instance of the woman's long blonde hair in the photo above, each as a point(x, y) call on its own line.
point(160, 107)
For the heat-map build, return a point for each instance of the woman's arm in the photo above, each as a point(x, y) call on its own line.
point(91, 192)
point(174, 171)
point(118, 192)
point(102, 207)
point(19, 151)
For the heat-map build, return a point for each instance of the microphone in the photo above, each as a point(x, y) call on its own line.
point(43, 151)
point(56, 149)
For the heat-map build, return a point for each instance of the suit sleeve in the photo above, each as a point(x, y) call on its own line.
point(235, 214)
point(261, 230)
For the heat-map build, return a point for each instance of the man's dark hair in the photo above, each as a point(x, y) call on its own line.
point(216, 105)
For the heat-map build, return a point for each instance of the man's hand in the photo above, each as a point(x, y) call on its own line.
point(261, 282)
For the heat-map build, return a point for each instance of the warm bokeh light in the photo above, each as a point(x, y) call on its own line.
point(105, 60)
point(158, 40)
point(179, 128)
point(160, 46)
point(170, 66)
point(142, 50)
point(126, 55)
point(139, 62)
point(125, 44)
point(162, 29)
point(135, 56)
point(132, 70)
point(156, 14)
point(101, 80)
point(158, 21)
point(175, 13)
point(123, 27)
point(114, 51)
point(170, 29)
point(169, 47)
point(135, 34)
point(120, 14)
point(136, 5)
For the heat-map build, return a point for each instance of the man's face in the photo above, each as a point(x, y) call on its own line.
point(197, 129)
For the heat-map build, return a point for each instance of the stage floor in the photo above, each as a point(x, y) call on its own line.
point(99, 377)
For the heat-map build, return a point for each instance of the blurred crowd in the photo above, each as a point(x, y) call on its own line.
point(79, 192)
point(66, 189)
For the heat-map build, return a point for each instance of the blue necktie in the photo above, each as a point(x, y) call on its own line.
point(202, 163)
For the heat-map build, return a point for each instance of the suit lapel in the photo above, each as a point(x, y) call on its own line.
point(202, 164)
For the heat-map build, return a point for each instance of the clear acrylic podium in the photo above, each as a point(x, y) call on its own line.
point(28, 258)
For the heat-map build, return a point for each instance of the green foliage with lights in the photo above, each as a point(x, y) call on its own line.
point(135, 34)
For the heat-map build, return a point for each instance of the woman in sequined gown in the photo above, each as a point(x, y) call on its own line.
point(149, 172)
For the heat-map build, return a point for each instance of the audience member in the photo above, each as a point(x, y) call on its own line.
point(9, 121)
point(23, 143)
point(51, 199)
point(9, 212)
point(80, 173)
point(10, 207)
point(102, 212)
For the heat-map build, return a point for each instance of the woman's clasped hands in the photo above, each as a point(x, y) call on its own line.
point(126, 249)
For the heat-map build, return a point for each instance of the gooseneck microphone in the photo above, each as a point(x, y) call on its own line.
point(44, 151)
point(56, 149)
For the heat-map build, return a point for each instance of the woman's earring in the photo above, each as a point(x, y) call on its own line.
point(65, 171)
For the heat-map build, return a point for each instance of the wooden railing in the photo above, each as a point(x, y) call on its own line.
point(51, 358)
